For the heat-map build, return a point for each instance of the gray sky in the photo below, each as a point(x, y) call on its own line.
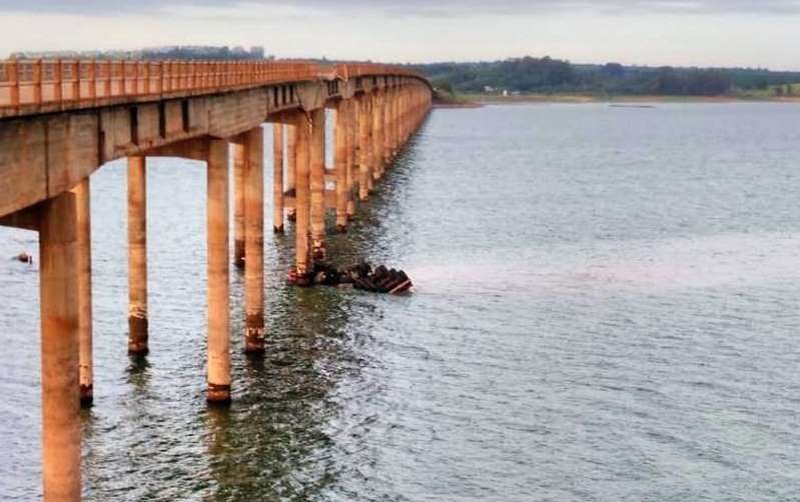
point(655, 32)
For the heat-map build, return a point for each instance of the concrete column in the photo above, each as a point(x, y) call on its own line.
point(239, 250)
point(370, 144)
point(277, 177)
point(387, 127)
point(393, 122)
point(352, 156)
point(219, 362)
point(84, 221)
point(137, 256)
point(317, 183)
point(364, 124)
point(60, 311)
point(377, 136)
point(303, 201)
point(340, 165)
point(291, 165)
point(254, 240)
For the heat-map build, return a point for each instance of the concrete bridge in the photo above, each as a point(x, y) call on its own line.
point(62, 120)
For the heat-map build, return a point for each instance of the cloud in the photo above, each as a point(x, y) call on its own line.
point(423, 8)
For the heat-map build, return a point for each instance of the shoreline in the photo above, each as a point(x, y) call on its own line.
point(585, 99)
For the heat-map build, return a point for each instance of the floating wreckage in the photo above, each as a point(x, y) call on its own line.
point(24, 258)
point(361, 276)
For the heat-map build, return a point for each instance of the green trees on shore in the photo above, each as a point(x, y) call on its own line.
point(548, 75)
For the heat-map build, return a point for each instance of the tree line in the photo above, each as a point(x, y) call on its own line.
point(548, 75)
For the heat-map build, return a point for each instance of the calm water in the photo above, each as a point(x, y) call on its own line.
point(607, 307)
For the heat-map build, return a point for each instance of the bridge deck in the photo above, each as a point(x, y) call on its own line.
point(36, 86)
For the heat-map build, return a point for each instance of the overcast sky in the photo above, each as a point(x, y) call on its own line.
point(656, 32)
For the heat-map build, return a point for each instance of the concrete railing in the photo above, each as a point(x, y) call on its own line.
point(27, 86)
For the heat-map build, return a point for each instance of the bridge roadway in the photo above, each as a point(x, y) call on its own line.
point(62, 120)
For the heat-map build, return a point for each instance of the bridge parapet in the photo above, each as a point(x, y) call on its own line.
point(41, 86)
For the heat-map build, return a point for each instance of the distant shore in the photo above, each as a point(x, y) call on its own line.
point(483, 99)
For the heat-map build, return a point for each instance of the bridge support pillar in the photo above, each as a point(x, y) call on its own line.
point(84, 238)
point(219, 361)
point(365, 157)
point(239, 251)
point(393, 144)
point(137, 256)
point(277, 178)
point(291, 165)
point(254, 240)
point(352, 156)
point(377, 135)
point(302, 201)
point(60, 313)
point(340, 162)
point(387, 126)
point(317, 181)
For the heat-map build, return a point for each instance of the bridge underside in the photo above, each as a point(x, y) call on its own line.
point(48, 154)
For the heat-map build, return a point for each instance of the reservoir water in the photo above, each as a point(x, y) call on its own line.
point(607, 307)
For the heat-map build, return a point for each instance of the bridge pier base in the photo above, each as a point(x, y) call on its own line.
point(239, 251)
point(317, 181)
point(277, 178)
point(60, 312)
point(219, 360)
point(254, 240)
point(137, 256)
point(84, 239)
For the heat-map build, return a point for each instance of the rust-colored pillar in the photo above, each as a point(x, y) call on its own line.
point(352, 156)
point(340, 163)
point(303, 201)
point(254, 240)
point(219, 359)
point(377, 136)
point(277, 177)
point(385, 127)
point(364, 176)
point(82, 193)
point(317, 183)
point(239, 251)
point(137, 256)
point(291, 165)
point(393, 122)
point(59, 310)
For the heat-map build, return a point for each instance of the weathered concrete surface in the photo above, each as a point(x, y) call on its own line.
point(47, 154)
point(61, 428)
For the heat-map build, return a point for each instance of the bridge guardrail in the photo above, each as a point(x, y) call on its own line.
point(39, 82)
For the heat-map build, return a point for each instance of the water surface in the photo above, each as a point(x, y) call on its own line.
point(606, 308)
